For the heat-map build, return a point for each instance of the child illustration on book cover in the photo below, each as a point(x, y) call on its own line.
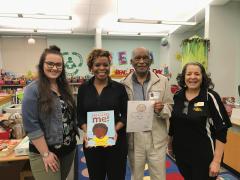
point(101, 128)
point(100, 131)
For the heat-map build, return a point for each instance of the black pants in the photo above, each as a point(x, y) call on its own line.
point(109, 161)
point(193, 171)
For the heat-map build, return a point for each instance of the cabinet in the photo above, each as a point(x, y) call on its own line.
point(232, 147)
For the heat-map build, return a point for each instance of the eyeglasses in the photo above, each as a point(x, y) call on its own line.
point(185, 109)
point(51, 65)
point(145, 59)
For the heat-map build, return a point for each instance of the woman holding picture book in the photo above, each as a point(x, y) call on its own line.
point(99, 101)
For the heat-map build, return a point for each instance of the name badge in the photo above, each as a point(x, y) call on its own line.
point(199, 104)
point(154, 95)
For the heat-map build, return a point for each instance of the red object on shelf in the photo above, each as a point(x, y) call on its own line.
point(22, 82)
point(5, 134)
point(174, 88)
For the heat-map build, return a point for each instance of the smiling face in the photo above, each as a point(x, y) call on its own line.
point(53, 66)
point(193, 77)
point(141, 61)
point(101, 68)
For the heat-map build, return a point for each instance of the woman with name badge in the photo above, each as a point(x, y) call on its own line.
point(198, 126)
point(98, 95)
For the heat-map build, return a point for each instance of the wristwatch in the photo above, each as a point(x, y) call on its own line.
point(45, 154)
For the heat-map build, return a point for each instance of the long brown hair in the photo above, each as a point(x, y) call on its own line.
point(45, 92)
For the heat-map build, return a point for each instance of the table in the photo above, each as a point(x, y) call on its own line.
point(11, 157)
point(11, 166)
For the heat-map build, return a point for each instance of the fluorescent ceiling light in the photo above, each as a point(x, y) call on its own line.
point(16, 30)
point(153, 34)
point(47, 16)
point(55, 31)
point(179, 23)
point(148, 21)
point(144, 21)
point(123, 33)
point(11, 15)
point(137, 34)
point(36, 16)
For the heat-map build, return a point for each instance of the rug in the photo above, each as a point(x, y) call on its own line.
point(81, 172)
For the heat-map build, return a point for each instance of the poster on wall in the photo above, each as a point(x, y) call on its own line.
point(122, 57)
point(72, 61)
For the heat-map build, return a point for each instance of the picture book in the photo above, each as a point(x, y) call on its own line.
point(100, 128)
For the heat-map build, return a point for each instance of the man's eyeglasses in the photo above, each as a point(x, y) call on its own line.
point(145, 59)
point(51, 65)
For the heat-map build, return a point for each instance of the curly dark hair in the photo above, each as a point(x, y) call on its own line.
point(206, 80)
point(95, 53)
point(100, 125)
point(45, 99)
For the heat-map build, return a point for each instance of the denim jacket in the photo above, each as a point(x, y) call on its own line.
point(37, 123)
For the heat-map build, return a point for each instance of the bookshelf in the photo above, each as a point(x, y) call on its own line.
point(11, 89)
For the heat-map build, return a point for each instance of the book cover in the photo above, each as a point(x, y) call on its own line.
point(100, 128)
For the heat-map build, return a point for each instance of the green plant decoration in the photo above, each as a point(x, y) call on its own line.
point(195, 49)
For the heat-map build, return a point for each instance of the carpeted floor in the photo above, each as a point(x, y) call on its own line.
point(171, 168)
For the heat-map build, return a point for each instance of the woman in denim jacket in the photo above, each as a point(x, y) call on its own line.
point(49, 119)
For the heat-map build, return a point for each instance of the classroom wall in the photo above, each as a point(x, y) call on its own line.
point(125, 45)
point(17, 48)
point(75, 49)
point(18, 56)
point(224, 57)
point(117, 46)
point(224, 28)
point(168, 53)
point(1, 60)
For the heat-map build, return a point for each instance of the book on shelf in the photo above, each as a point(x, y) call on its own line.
point(101, 128)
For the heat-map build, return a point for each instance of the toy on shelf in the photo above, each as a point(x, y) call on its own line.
point(75, 82)
point(166, 71)
point(174, 88)
point(229, 104)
